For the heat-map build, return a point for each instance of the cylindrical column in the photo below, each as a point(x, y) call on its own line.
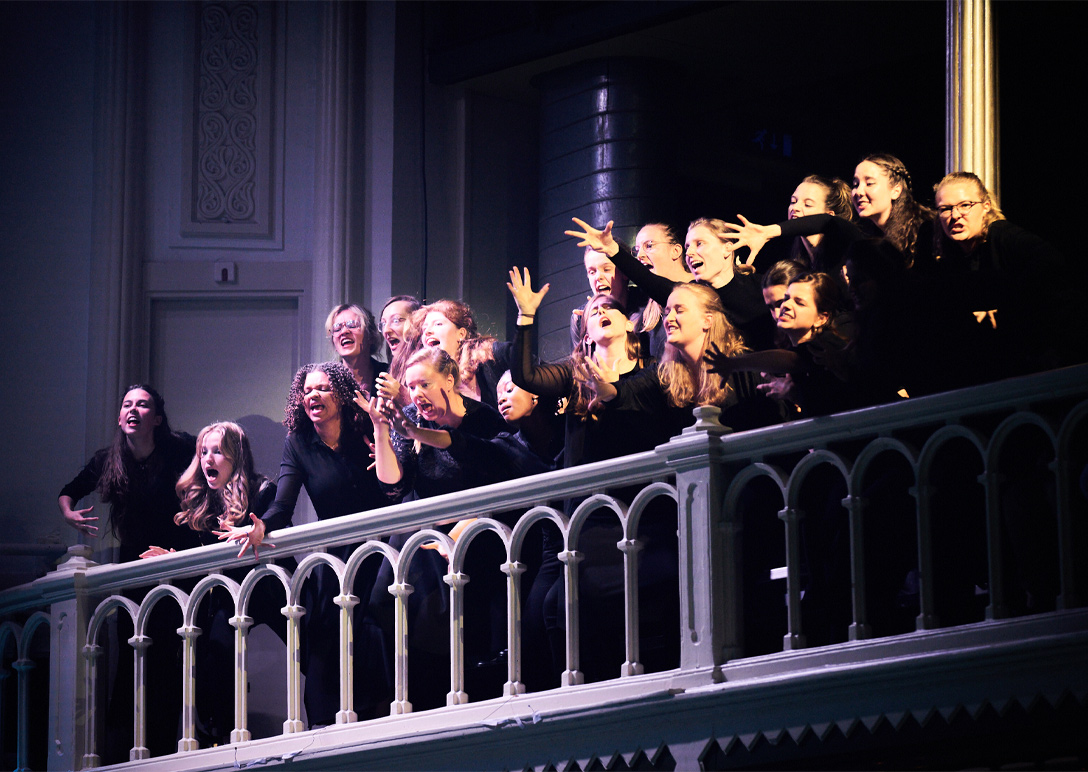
point(604, 155)
point(971, 132)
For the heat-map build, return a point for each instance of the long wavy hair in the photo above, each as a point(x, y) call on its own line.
point(113, 485)
point(907, 215)
point(343, 386)
point(472, 352)
point(203, 508)
point(583, 399)
point(689, 386)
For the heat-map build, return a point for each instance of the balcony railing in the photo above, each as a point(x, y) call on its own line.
point(953, 512)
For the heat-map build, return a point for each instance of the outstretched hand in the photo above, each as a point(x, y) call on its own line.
point(522, 290)
point(718, 362)
point(154, 552)
point(597, 240)
point(388, 387)
point(247, 536)
point(78, 519)
point(750, 235)
point(393, 416)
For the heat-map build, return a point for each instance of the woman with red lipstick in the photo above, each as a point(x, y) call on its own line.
point(221, 489)
point(136, 476)
point(326, 451)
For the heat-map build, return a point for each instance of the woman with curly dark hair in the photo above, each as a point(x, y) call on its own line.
point(326, 451)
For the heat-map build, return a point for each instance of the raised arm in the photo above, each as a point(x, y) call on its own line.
point(548, 381)
point(656, 287)
point(387, 466)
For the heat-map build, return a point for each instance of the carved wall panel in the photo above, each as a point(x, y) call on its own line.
point(233, 130)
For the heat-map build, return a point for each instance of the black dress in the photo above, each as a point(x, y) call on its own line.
point(338, 483)
point(145, 518)
point(742, 298)
point(627, 424)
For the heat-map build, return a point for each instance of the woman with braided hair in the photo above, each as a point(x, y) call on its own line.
point(881, 196)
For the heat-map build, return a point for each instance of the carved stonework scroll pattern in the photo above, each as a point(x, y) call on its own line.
point(227, 119)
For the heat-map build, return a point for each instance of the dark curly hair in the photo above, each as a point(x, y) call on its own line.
point(343, 386)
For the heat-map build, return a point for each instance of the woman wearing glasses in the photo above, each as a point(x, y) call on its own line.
point(355, 339)
point(396, 313)
point(995, 282)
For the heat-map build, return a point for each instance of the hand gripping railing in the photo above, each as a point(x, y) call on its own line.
point(707, 471)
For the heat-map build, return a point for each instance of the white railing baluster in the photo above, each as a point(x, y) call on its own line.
point(241, 624)
point(188, 741)
point(347, 603)
point(859, 628)
point(630, 549)
point(293, 722)
point(712, 470)
point(513, 683)
point(457, 582)
point(571, 674)
point(400, 592)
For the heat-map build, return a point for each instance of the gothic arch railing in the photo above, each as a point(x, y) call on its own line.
point(708, 473)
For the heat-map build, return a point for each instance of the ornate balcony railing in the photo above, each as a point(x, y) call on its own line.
point(935, 527)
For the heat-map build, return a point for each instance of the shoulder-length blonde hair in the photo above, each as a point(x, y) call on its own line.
point(690, 386)
point(202, 508)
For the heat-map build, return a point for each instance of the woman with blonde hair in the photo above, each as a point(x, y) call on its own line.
point(354, 336)
point(709, 257)
point(219, 490)
point(996, 290)
point(449, 325)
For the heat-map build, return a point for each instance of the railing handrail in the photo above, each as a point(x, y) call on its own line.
point(566, 483)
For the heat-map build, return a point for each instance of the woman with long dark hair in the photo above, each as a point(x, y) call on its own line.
point(136, 476)
point(883, 198)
